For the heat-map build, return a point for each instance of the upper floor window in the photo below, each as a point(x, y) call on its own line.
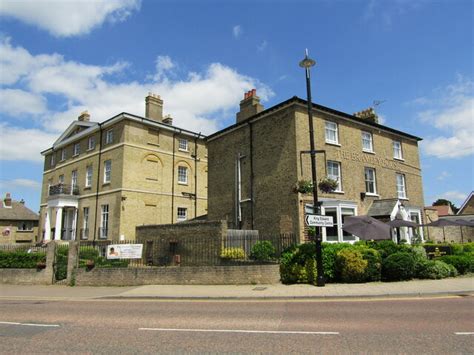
point(367, 143)
point(182, 175)
point(334, 173)
point(85, 223)
point(182, 214)
point(61, 179)
point(53, 159)
point(73, 180)
point(401, 186)
point(63, 154)
point(331, 132)
point(77, 149)
point(91, 143)
point(397, 150)
point(109, 136)
point(370, 183)
point(89, 176)
point(107, 171)
point(183, 144)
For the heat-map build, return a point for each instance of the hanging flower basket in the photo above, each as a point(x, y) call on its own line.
point(304, 187)
point(328, 185)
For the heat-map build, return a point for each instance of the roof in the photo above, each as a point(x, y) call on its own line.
point(382, 207)
point(17, 212)
point(464, 217)
point(443, 210)
point(468, 202)
point(297, 100)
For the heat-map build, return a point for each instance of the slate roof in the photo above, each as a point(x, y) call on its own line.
point(382, 207)
point(18, 212)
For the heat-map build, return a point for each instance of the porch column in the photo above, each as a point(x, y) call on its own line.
point(47, 224)
point(59, 219)
point(74, 224)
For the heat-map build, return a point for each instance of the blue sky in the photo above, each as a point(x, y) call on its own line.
point(60, 58)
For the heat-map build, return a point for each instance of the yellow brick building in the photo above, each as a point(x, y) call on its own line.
point(255, 165)
point(101, 180)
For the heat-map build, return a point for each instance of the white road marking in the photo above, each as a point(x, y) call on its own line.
point(240, 331)
point(464, 333)
point(31, 324)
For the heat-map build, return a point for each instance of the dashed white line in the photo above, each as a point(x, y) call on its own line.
point(464, 333)
point(240, 331)
point(31, 324)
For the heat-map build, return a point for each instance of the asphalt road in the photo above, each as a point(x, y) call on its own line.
point(431, 325)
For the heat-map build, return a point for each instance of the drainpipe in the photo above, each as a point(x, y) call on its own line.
point(98, 182)
point(172, 179)
point(251, 173)
point(195, 173)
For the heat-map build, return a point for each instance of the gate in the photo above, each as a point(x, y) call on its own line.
point(60, 263)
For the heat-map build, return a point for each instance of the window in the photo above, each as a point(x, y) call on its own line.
point(89, 176)
point(61, 179)
point(182, 214)
point(107, 171)
point(331, 133)
point(367, 145)
point(182, 175)
point(73, 181)
point(109, 137)
point(401, 190)
point(77, 149)
point(85, 223)
point(53, 159)
point(338, 211)
point(183, 144)
point(25, 226)
point(63, 154)
point(50, 183)
point(334, 173)
point(91, 143)
point(397, 150)
point(332, 232)
point(370, 185)
point(104, 222)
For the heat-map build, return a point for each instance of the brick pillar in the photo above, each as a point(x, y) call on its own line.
point(72, 262)
point(50, 255)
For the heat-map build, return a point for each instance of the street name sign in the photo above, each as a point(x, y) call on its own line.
point(314, 220)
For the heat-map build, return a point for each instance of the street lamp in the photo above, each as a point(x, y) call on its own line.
point(307, 63)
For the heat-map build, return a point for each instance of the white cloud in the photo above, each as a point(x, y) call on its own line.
point(66, 18)
point(443, 175)
point(455, 197)
point(237, 31)
point(19, 183)
point(453, 114)
point(199, 101)
point(18, 102)
point(382, 119)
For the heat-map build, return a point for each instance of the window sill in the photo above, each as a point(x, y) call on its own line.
point(183, 150)
point(24, 231)
point(182, 183)
point(404, 198)
point(87, 187)
point(333, 143)
point(368, 151)
point(75, 155)
point(399, 159)
point(367, 194)
point(106, 183)
point(90, 149)
point(151, 179)
point(338, 192)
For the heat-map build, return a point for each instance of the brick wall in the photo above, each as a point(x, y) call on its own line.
point(202, 275)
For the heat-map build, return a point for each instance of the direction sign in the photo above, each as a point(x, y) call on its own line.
point(314, 220)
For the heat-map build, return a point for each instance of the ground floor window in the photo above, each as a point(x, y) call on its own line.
point(104, 222)
point(182, 214)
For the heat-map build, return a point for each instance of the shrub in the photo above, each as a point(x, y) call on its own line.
point(436, 269)
point(350, 265)
point(291, 272)
point(329, 259)
point(263, 251)
point(233, 253)
point(20, 259)
point(468, 247)
point(388, 247)
point(374, 264)
point(419, 253)
point(398, 266)
point(310, 271)
point(463, 263)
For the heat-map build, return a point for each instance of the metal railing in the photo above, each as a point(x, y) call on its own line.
point(63, 189)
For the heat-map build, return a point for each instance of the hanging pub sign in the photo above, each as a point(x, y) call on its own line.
point(124, 251)
point(435, 251)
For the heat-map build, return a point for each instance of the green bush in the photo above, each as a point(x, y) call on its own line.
point(61, 262)
point(329, 259)
point(351, 266)
point(263, 251)
point(291, 272)
point(388, 247)
point(233, 253)
point(20, 259)
point(398, 266)
point(436, 269)
point(468, 247)
point(463, 263)
point(310, 271)
point(374, 264)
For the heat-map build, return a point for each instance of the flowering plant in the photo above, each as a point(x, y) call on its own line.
point(328, 185)
point(304, 186)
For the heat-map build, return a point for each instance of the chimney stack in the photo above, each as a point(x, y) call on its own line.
point(154, 107)
point(249, 106)
point(368, 114)
point(168, 120)
point(84, 116)
point(7, 202)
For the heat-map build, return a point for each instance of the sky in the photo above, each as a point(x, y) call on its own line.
point(59, 58)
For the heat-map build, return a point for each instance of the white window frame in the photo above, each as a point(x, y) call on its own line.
point(415, 212)
point(85, 221)
point(25, 226)
point(181, 214)
point(330, 126)
point(76, 149)
point(53, 159)
point(370, 180)
point(181, 175)
point(109, 136)
point(397, 150)
point(73, 180)
point(104, 221)
point(338, 177)
point(89, 172)
point(91, 143)
point(63, 154)
point(61, 179)
point(367, 138)
point(183, 145)
point(401, 186)
point(107, 171)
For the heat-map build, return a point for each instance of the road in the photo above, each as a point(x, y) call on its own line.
point(441, 325)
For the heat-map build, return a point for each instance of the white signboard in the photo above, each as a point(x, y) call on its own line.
point(124, 251)
point(314, 220)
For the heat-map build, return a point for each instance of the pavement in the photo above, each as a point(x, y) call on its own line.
point(414, 288)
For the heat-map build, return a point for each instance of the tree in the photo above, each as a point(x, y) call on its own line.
point(443, 202)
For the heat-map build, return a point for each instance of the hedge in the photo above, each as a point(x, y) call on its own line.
point(20, 259)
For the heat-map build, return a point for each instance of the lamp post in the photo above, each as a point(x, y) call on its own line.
point(307, 63)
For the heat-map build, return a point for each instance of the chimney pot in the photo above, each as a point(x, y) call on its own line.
point(249, 106)
point(8, 200)
point(84, 116)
